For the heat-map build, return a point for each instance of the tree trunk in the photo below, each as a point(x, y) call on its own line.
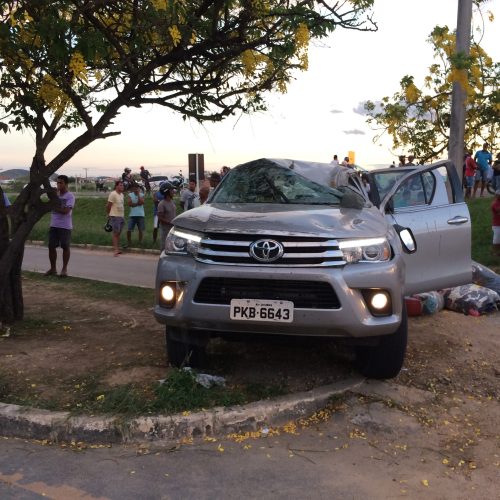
point(26, 211)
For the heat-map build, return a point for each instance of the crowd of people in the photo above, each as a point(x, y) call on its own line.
point(164, 207)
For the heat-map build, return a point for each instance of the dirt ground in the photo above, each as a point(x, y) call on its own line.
point(438, 419)
point(69, 343)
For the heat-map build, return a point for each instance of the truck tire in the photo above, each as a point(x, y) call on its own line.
point(182, 354)
point(385, 359)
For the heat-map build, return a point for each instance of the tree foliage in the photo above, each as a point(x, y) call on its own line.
point(418, 116)
point(76, 63)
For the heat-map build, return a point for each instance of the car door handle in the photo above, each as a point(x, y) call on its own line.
point(458, 219)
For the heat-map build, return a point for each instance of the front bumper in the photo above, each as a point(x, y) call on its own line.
point(351, 319)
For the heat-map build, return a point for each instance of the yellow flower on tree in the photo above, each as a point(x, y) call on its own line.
point(175, 34)
point(77, 67)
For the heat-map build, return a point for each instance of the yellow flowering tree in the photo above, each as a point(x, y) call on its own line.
point(417, 117)
point(75, 63)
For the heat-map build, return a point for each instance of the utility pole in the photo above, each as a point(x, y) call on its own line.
point(85, 168)
point(458, 96)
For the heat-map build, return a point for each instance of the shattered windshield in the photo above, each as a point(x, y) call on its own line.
point(263, 181)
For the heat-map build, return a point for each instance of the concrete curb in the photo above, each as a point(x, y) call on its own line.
point(90, 246)
point(23, 422)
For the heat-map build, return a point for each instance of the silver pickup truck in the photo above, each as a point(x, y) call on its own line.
point(288, 247)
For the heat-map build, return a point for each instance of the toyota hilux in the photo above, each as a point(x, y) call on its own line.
point(288, 247)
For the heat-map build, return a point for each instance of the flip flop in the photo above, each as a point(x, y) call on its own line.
point(117, 253)
point(50, 273)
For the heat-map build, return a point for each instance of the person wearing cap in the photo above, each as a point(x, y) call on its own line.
point(495, 223)
point(166, 212)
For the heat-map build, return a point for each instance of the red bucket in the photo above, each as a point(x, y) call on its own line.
point(414, 306)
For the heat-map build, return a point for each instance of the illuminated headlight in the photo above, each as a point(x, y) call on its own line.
point(180, 242)
point(378, 301)
point(365, 250)
point(169, 294)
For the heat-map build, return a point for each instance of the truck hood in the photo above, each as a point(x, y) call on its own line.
point(291, 220)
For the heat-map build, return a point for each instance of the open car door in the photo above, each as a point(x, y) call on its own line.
point(429, 201)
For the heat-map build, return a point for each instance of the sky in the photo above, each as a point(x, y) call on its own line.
point(317, 118)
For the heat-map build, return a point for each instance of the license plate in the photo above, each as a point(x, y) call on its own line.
point(280, 311)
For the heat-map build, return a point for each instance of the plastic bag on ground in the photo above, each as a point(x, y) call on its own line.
point(484, 276)
point(206, 380)
point(471, 299)
point(432, 302)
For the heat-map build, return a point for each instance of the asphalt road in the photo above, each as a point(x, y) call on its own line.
point(128, 268)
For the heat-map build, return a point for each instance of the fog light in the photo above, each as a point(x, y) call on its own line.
point(378, 301)
point(168, 293)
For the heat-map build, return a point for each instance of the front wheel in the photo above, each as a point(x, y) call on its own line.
point(385, 359)
point(182, 354)
point(490, 187)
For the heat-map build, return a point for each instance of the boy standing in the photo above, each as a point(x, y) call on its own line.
point(61, 224)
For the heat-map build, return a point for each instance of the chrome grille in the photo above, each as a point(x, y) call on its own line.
point(298, 251)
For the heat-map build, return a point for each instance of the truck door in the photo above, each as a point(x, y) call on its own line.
point(428, 200)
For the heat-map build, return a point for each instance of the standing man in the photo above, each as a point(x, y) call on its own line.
point(470, 173)
point(203, 197)
point(496, 173)
point(411, 159)
point(61, 224)
point(335, 161)
point(166, 213)
point(116, 213)
point(483, 159)
point(189, 195)
point(402, 161)
point(145, 175)
point(136, 214)
point(157, 197)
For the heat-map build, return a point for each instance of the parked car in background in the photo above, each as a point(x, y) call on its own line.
point(278, 251)
point(156, 180)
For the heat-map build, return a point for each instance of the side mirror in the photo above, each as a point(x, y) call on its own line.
point(407, 239)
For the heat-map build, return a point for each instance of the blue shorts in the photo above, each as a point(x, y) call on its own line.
point(481, 175)
point(469, 181)
point(59, 237)
point(136, 220)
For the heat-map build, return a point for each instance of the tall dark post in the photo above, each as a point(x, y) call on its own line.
point(458, 97)
point(196, 167)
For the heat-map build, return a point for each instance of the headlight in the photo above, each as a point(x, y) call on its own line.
point(181, 242)
point(365, 250)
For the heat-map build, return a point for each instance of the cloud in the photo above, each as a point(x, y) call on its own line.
point(335, 111)
point(354, 132)
point(360, 108)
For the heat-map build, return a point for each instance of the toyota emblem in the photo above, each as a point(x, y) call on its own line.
point(266, 250)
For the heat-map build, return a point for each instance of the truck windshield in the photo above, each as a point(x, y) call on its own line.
point(263, 181)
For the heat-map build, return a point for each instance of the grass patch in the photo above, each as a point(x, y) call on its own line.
point(482, 236)
point(178, 393)
point(98, 290)
point(89, 216)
